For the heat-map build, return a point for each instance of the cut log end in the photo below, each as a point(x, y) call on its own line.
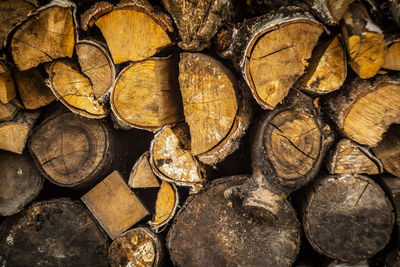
point(7, 85)
point(142, 176)
point(392, 58)
point(166, 205)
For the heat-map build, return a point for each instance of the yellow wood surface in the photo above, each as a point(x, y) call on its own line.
point(392, 57)
point(7, 86)
point(142, 175)
point(165, 204)
point(13, 136)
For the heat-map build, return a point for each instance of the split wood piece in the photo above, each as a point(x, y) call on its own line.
point(388, 150)
point(146, 95)
point(133, 29)
point(258, 46)
point(329, 11)
point(32, 89)
point(349, 157)
point(392, 57)
point(211, 230)
point(287, 152)
point(72, 151)
point(8, 111)
point(14, 134)
point(97, 65)
point(198, 21)
point(12, 13)
point(75, 90)
point(391, 185)
point(114, 205)
point(327, 70)
point(45, 36)
point(136, 247)
point(172, 160)
point(166, 205)
point(347, 217)
point(57, 232)
point(393, 258)
point(364, 40)
point(142, 176)
point(364, 110)
point(394, 8)
point(211, 101)
point(7, 85)
point(20, 182)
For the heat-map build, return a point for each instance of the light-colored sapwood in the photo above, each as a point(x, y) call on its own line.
point(392, 57)
point(142, 176)
point(166, 204)
point(9, 110)
point(7, 85)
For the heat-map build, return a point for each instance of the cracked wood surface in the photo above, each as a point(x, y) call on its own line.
point(347, 217)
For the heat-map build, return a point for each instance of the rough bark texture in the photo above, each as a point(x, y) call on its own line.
point(347, 217)
point(349, 157)
point(20, 182)
point(388, 150)
point(72, 151)
point(258, 43)
point(136, 247)
point(211, 230)
point(364, 110)
point(198, 21)
point(329, 11)
point(57, 232)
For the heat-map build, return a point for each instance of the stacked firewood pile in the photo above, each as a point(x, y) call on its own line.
point(199, 133)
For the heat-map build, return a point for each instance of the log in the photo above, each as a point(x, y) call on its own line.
point(145, 94)
point(166, 205)
point(8, 111)
point(75, 90)
point(57, 232)
point(172, 160)
point(13, 12)
point(287, 151)
point(114, 205)
point(391, 185)
point(364, 40)
point(392, 57)
point(32, 88)
point(211, 230)
point(46, 35)
point(142, 176)
point(327, 69)
point(364, 110)
point(14, 134)
point(347, 217)
point(211, 101)
point(97, 65)
point(7, 85)
point(72, 151)
point(393, 258)
point(289, 34)
point(136, 247)
point(20, 182)
point(198, 22)
point(135, 22)
point(328, 11)
point(394, 8)
point(388, 150)
point(349, 157)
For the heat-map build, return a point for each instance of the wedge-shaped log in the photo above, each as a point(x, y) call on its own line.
point(142, 176)
point(114, 205)
point(48, 34)
point(271, 51)
point(9, 110)
point(392, 57)
point(133, 29)
point(7, 84)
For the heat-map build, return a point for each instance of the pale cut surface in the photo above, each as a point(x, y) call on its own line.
point(209, 100)
point(7, 86)
point(371, 115)
point(146, 94)
point(135, 247)
point(142, 176)
point(132, 35)
point(366, 53)
point(278, 58)
point(388, 151)
point(392, 58)
point(338, 8)
point(75, 90)
point(44, 37)
point(114, 205)
point(13, 136)
point(171, 156)
point(165, 204)
point(293, 143)
point(97, 66)
point(7, 111)
point(327, 70)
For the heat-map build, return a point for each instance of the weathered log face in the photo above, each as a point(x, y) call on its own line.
point(142, 176)
point(20, 182)
point(7, 85)
point(72, 151)
point(211, 230)
point(392, 57)
point(51, 233)
point(347, 217)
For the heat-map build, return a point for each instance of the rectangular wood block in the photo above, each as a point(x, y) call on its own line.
point(114, 205)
